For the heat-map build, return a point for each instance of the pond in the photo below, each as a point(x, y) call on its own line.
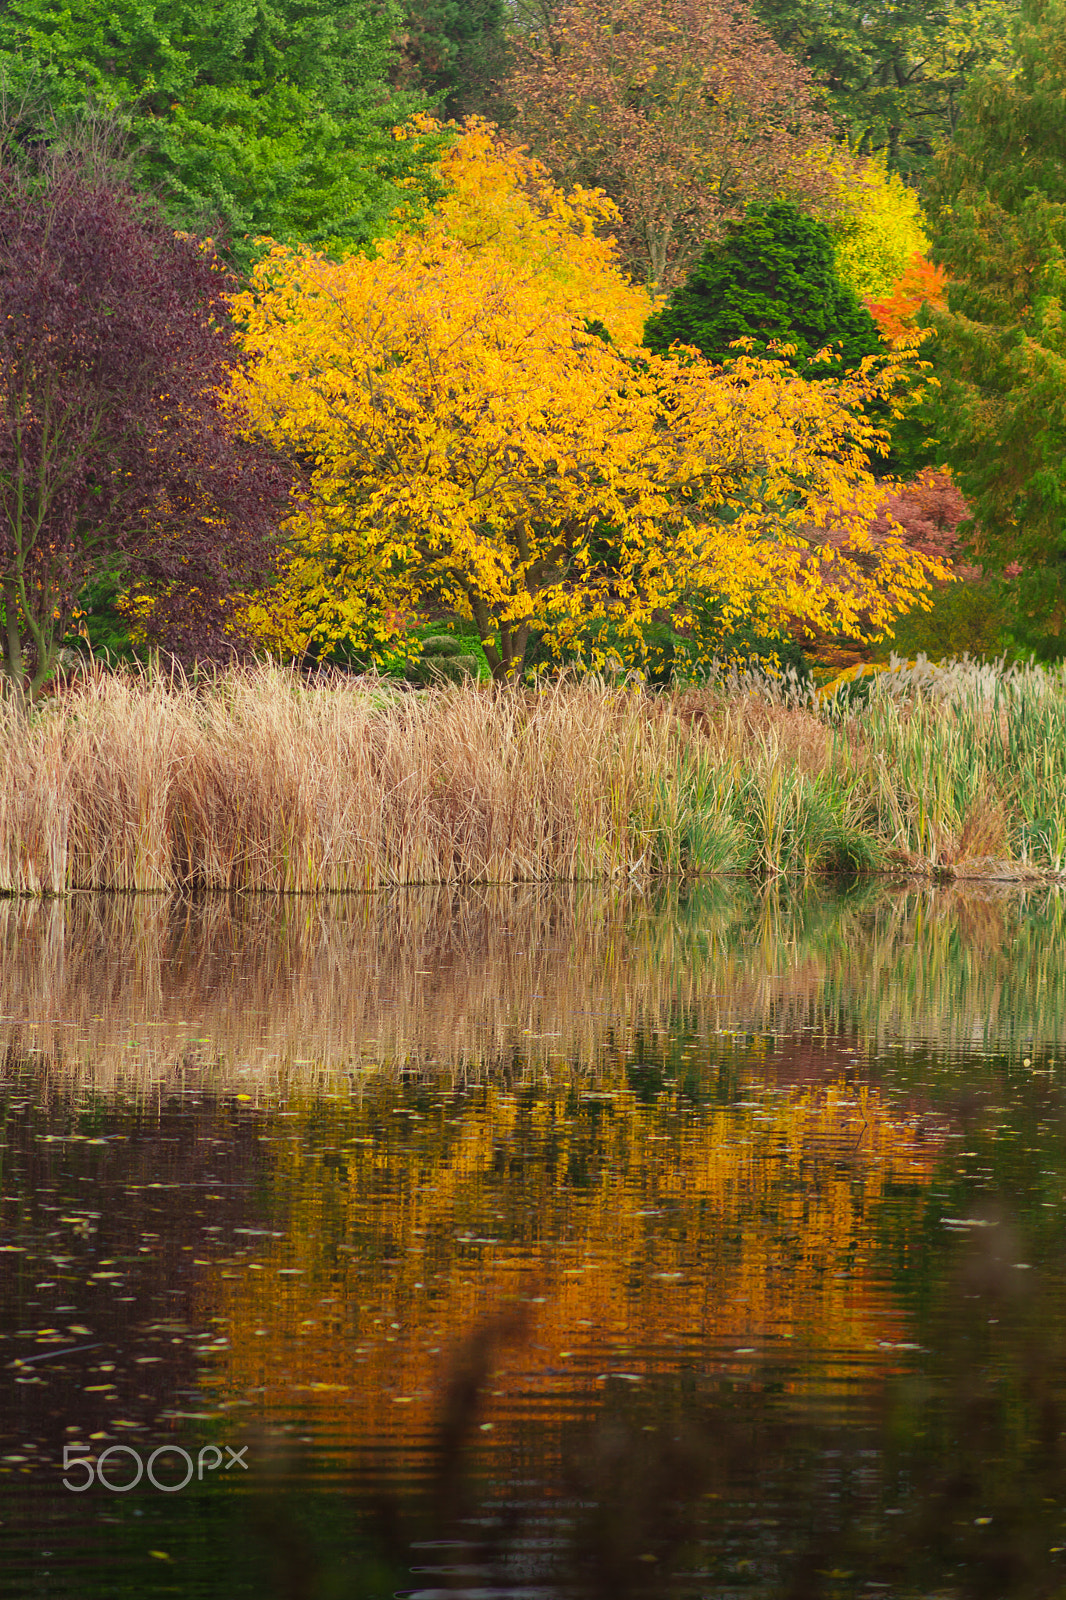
point(534, 1243)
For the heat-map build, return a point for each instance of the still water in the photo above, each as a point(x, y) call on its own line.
point(531, 1244)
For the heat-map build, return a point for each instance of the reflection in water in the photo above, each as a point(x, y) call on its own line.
point(656, 1229)
point(138, 990)
point(536, 1245)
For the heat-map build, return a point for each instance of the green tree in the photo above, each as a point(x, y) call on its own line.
point(772, 279)
point(452, 51)
point(999, 230)
point(894, 71)
point(248, 116)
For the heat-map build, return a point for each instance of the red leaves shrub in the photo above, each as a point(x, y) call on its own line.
point(929, 511)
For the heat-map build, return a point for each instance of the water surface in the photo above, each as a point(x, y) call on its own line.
point(528, 1243)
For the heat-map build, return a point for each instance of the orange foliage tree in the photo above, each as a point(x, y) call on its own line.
point(926, 513)
point(923, 282)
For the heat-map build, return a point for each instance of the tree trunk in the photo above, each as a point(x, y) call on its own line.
point(512, 652)
point(12, 659)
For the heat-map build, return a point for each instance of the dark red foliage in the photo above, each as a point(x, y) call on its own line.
point(115, 449)
point(929, 511)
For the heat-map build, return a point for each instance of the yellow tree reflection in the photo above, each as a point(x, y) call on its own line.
point(642, 1233)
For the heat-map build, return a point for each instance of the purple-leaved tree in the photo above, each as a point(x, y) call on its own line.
point(117, 453)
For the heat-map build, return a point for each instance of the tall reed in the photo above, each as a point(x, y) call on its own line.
point(254, 780)
point(974, 769)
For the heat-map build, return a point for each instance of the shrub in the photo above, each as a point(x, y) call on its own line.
point(443, 660)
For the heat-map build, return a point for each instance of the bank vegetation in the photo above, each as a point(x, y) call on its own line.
point(257, 780)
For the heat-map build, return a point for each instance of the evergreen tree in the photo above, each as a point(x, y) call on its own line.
point(893, 71)
point(999, 230)
point(452, 50)
point(772, 279)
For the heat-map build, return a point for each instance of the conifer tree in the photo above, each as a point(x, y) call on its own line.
point(999, 231)
point(452, 50)
point(244, 119)
point(773, 280)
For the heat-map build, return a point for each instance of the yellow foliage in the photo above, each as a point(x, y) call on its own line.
point(476, 446)
point(876, 224)
point(782, 1208)
point(309, 607)
point(503, 201)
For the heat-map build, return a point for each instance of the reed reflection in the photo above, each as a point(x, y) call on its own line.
point(660, 1216)
point(258, 991)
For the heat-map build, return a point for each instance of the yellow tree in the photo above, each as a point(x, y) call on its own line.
point(876, 223)
point(480, 445)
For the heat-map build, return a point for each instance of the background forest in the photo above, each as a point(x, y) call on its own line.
point(467, 338)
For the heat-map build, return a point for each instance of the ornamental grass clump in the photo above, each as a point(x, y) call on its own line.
point(964, 764)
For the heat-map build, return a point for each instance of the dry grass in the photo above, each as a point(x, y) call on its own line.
point(257, 781)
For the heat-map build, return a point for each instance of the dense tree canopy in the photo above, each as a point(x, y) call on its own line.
point(114, 453)
point(682, 110)
point(999, 231)
point(478, 447)
point(452, 51)
point(876, 224)
point(894, 74)
point(253, 118)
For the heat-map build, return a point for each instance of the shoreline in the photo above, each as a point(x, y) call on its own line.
point(1007, 874)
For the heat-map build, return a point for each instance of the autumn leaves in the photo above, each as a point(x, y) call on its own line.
point(490, 439)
